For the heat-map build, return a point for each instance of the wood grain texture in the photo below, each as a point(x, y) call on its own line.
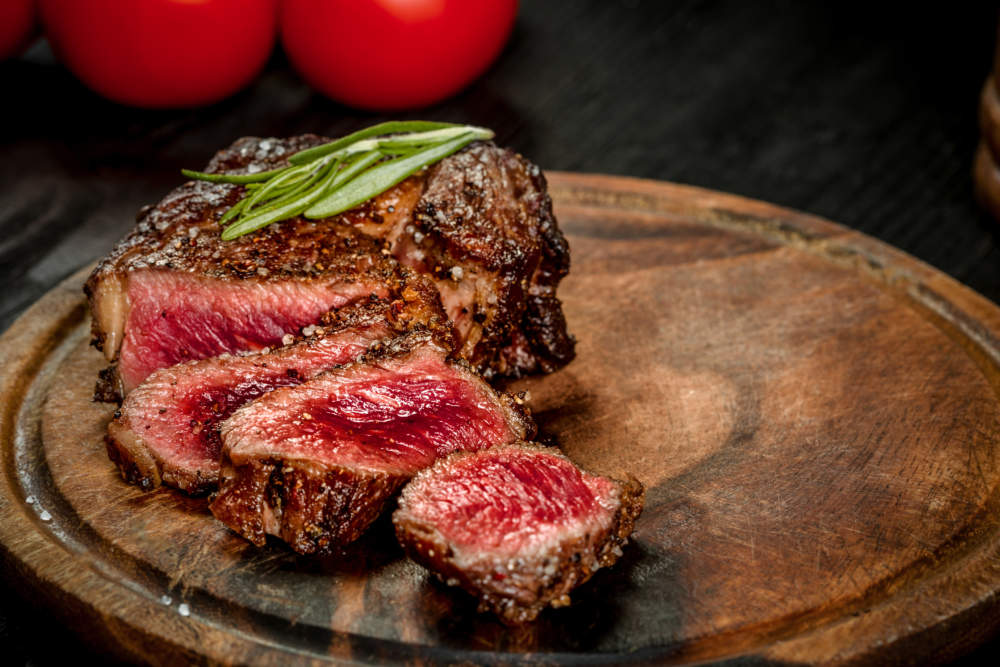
point(815, 414)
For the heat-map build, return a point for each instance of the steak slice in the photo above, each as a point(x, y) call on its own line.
point(518, 526)
point(479, 223)
point(317, 463)
point(167, 428)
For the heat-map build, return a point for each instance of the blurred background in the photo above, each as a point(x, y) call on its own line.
point(863, 114)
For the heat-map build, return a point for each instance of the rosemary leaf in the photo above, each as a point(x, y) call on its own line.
point(262, 218)
point(233, 212)
point(391, 127)
point(235, 179)
point(355, 168)
point(382, 177)
point(337, 176)
point(417, 139)
point(287, 195)
point(276, 185)
point(301, 195)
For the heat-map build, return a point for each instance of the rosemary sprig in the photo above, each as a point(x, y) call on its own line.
point(337, 176)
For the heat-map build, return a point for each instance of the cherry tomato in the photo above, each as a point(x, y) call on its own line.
point(17, 25)
point(162, 53)
point(394, 54)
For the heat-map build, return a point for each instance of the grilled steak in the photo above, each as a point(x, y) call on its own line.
point(479, 223)
point(317, 463)
point(167, 428)
point(518, 526)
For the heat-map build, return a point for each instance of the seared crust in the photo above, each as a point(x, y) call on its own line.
point(163, 235)
point(311, 508)
point(317, 507)
point(134, 461)
point(541, 344)
point(486, 209)
point(518, 590)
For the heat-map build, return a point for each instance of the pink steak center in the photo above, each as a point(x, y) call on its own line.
point(507, 499)
point(177, 317)
point(397, 422)
point(205, 409)
point(183, 429)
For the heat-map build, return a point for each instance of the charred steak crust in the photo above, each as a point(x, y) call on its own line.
point(517, 588)
point(314, 509)
point(181, 233)
point(486, 211)
point(166, 431)
point(318, 503)
point(162, 235)
point(479, 223)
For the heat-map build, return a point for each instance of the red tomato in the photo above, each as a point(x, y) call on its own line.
point(162, 53)
point(17, 25)
point(394, 54)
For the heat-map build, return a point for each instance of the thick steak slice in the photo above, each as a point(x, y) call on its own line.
point(167, 428)
point(518, 526)
point(317, 463)
point(479, 223)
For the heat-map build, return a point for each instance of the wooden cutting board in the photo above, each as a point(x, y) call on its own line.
point(814, 413)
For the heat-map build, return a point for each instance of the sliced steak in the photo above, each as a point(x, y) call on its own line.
point(479, 223)
point(518, 526)
point(167, 428)
point(317, 463)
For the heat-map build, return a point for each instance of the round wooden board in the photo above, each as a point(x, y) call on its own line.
point(814, 413)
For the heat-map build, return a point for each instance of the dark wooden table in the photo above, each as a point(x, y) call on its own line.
point(862, 115)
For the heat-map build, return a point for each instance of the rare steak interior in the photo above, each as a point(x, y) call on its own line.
point(315, 464)
point(167, 428)
point(519, 526)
